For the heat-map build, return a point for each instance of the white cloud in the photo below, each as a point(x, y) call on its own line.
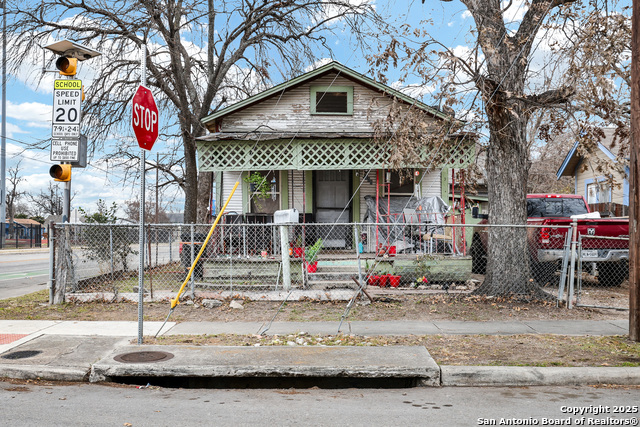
point(37, 113)
point(466, 14)
point(12, 130)
point(516, 10)
point(414, 90)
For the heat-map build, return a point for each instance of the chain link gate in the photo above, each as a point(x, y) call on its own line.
point(603, 272)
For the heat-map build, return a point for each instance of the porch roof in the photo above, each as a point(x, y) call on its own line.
point(270, 136)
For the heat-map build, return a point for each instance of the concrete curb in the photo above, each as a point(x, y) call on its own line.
point(276, 361)
point(30, 372)
point(481, 376)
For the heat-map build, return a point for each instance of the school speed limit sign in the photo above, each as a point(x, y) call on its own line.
point(67, 99)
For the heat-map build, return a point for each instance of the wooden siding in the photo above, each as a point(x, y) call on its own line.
point(228, 181)
point(431, 184)
point(292, 111)
point(296, 193)
point(582, 175)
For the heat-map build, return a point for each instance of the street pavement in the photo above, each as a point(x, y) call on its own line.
point(106, 351)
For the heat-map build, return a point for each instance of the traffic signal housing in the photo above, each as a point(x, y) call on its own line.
point(60, 172)
point(67, 66)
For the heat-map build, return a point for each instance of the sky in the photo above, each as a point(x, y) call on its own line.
point(29, 104)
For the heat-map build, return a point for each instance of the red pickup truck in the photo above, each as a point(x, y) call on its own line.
point(546, 244)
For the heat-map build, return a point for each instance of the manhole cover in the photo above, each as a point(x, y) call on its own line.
point(143, 357)
point(21, 354)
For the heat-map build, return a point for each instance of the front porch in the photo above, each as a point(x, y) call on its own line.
point(335, 271)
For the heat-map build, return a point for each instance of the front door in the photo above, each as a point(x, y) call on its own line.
point(332, 206)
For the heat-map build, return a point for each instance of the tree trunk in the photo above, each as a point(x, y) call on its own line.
point(190, 181)
point(205, 184)
point(508, 271)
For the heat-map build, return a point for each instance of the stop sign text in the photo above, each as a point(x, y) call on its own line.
point(144, 118)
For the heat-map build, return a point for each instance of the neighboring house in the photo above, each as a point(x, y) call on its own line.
point(610, 197)
point(24, 228)
point(311, 138)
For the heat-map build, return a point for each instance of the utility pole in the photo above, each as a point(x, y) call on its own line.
point(634, 180)
point(3, 147)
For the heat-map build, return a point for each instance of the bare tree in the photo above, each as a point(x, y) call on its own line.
point(202, 56)
point(597, 55)
point(132, 212)
point(497, 69)
point(47, 202)
point(13, 194)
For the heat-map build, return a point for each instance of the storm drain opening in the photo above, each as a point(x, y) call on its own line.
point(268, 382)
point(24, 354)
point(143, 357)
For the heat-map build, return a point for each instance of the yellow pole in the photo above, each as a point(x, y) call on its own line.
point(176, 300)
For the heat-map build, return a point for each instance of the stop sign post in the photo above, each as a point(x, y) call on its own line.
point(144, 119)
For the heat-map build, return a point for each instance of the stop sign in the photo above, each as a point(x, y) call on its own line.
point(145, 118)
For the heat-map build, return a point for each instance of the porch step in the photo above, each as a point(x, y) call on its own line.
point(332, 284)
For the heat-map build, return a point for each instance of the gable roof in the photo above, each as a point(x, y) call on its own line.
point(573, 159)
point(24, 221)
point(333, 66)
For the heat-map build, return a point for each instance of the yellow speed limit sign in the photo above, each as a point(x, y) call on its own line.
point(67, 99)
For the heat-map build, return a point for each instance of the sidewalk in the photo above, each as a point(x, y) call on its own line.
point(82, 350)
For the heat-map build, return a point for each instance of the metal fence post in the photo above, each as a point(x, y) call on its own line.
point(356, 236)
point(111, 249)
point(193, 244)
point(286, 265)
point(572, 273)
point(579, 254)
point(52, 279)
point(565, 265)
point(170, 244)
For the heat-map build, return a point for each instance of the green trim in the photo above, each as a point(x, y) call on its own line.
point(314, 94)
point(284, 189)
point(355, 183)
point(219, 192)
point(444, 184)
point(332, 66)
point(245, 193)
point(308, 188)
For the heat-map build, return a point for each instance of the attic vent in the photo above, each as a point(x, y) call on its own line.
point(331, 102)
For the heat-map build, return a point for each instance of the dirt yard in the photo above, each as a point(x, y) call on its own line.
point(515, 350)
point(385, 307)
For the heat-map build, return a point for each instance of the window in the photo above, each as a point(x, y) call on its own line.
point(555, 207)
point(270, 203)
point(332, 100)
point(400, 186)
point(598, 192)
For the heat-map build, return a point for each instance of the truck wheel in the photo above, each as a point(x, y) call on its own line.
point(478, 256)
point(612, 274)
point(544, 273)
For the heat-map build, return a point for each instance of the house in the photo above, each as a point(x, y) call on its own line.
point(24, 229)
point(605, 192)
point(311, 142)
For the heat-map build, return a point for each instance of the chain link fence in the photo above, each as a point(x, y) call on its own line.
point(335, 261)
point(603, 272)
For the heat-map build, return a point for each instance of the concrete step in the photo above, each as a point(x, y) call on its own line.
point(340, 276)
point(328, 284)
